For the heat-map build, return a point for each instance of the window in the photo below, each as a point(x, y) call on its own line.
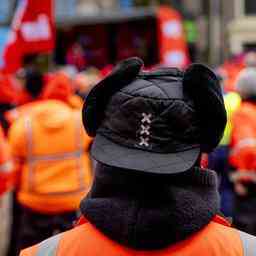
point(249, 47)
point(6, 7)
point(65, 8)
point(249, 7)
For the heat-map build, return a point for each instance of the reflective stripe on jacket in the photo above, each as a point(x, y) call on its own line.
point(55, 166)
point(215, 240)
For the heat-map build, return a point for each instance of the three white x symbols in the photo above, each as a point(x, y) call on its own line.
point(145, 129)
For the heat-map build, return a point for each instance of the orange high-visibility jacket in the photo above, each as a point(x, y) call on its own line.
point(243, 141)
point(52, 149)
point(6, 165)
point(213, 240)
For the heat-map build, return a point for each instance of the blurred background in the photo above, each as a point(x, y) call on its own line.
point(62, 48)
point(215, 29)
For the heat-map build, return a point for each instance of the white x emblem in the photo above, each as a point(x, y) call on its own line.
point(146, 118)
point(144, 142)
point(145, 130)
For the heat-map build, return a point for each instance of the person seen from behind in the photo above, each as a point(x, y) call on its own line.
point(53, 167)
point(150, 197)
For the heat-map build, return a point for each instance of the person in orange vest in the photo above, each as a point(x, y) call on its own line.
point(149, 196)
point(31, 84)
point(53, 166)
point(243, 154)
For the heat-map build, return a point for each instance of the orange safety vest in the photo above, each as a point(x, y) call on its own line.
point(216, 239)
point(55, 168)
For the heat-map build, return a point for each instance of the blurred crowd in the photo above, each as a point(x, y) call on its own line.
point(234, 159)
point(41, 129)
point(43, 145)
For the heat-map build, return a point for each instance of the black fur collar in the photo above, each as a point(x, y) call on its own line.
point(148, 212)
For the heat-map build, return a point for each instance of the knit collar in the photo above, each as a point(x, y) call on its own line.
point(150, 212)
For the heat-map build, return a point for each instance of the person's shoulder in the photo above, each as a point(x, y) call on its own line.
point(235, 239)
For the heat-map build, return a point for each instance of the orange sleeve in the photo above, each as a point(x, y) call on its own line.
point(17, 138)
point(6, 165)
point(243, 141)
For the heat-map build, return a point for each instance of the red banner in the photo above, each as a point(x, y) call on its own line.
point(32, 31)
point(173, 48)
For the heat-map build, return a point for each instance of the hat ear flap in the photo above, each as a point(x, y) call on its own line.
point(94, 107)
point(202, 85)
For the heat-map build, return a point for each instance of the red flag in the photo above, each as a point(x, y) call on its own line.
point(173, 48)
point(32, 31)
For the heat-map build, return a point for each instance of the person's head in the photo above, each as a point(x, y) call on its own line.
point(32, 81)
point(154, 122)
point(30, 60)
point(246, 83)
point(59, 88)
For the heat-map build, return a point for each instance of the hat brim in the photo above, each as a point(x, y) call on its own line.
point(105, 151)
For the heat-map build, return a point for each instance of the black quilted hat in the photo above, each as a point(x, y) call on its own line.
point(154, 121)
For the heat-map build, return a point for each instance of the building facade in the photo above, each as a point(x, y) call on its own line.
point(242, 28)
point(226, 27)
